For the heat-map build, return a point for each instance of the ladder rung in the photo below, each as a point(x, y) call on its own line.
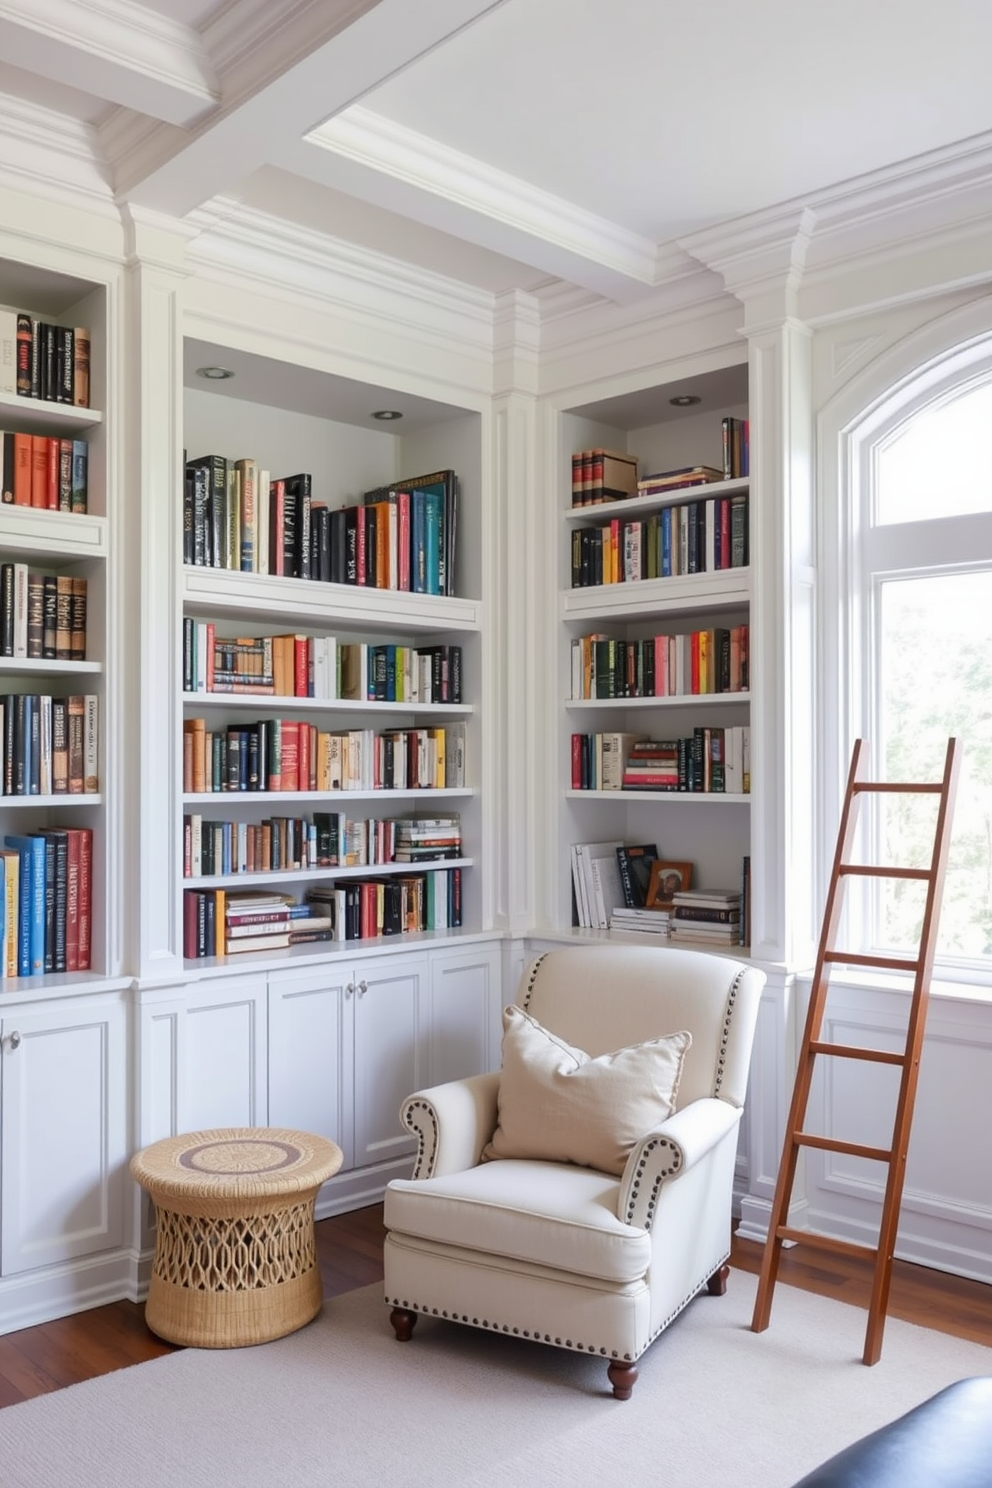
point(866, 870)
point(853, 1051)
point(834, 1144)
point(898, 787)
point(826, 1242)
point(889, 963)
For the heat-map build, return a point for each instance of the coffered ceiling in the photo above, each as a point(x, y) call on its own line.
point(505, 143)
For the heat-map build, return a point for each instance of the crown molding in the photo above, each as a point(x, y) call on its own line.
point(761, 259)
point(283, 259)
point(373, 142)
point(134, 55)
point(48, 154)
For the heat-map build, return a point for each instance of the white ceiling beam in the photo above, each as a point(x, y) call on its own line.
point(371, 157)
point(113, 50)
point(372, 40)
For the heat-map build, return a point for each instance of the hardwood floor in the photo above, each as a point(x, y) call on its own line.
point(36, 1360)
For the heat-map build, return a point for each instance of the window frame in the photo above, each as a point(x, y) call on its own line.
point(925, 368)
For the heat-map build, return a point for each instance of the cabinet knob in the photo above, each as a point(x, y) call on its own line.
point(349, 989)
point(362, 987)
point(14, 1040)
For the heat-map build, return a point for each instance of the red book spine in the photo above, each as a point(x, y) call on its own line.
point(361, 545)
point(576, 761)
point(52, 480)
point(189, 923)
point(211, 654)
point(72, 901)
point(724, 505)
point(305, 757)
point(85, 897)
point(290, 773)
point(39, 470)
point(300, 668)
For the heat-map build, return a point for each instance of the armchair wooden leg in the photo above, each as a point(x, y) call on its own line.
point(717, 1284)
point(403, 1323)
point(623, 1378)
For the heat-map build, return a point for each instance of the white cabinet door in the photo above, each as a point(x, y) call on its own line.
point(63, 1092)
point(463, 1024)
point(389, 999)
point(222, 1054)
point(310, 1068)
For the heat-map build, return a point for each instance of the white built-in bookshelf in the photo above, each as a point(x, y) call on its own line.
point(289, 420)
point(53, 545)
point(708, 829)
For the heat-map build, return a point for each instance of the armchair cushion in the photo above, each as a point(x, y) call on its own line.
point(558, 1104)
point(538, 1214)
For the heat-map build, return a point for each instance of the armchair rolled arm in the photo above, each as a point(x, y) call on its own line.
point(452, 1124)
point(668, 1151)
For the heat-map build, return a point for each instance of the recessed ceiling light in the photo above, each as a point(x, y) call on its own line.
point(684, 400)
point(386, 414)
point(214, 374)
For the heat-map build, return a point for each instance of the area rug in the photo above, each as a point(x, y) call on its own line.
point(342, 1403)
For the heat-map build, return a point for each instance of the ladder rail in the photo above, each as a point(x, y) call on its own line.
point(796, 1139)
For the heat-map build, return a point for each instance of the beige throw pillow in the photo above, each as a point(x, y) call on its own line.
point(558, 1104)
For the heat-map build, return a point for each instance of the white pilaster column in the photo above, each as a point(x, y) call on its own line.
point(152, 610)
point(519, 659)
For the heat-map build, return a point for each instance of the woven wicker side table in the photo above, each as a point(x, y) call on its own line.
point(235, 1253)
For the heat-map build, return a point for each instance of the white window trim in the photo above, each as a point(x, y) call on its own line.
point(946, 353)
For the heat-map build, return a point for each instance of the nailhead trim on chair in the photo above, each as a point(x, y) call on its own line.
point(660, 1176)
point(423, 1166)
point(576, 1346)
point(728, 1017)
point(531, 980)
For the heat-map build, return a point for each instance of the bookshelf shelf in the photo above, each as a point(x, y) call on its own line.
point(262, 598)
point(236, 881)
point(634, 506)
point(271, 798)
point(642, 704)
point(683, 596)
point(670, 798)
point(41, 413)
point(269, 702)
point(47, 535)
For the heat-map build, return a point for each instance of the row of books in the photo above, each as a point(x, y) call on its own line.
point(217, 922)
point(331, 839)
point(288, 754)
point(39, 359)
point(600, 475)
point(238, 516)
point(710, 759)
point(683, 665)
point(42, 615)
point(45, 902)
point(699, 536)
point(327, 839)
point(50, 745)
point(44, 472)
point(318, 666)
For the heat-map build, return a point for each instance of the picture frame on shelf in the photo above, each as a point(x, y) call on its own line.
point(667, 879)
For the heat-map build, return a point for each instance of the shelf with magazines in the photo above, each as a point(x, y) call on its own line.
point(330, 683)
point(654, 639)
point(57, 658)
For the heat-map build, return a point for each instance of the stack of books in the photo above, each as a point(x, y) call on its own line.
point(710, 917)
point(652, 922)
point(426, 838)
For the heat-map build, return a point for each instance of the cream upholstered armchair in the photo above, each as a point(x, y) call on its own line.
point(582, 1196)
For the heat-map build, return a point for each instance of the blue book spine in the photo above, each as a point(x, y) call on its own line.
point(666, 542)
point(433, 518)
point(31, 916)
point(418, 542)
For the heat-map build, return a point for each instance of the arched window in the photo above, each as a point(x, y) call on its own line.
point(912, 662)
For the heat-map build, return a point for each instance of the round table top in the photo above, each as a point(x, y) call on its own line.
point(236, 1162)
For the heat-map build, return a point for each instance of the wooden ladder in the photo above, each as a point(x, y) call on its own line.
point(909, 1060)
